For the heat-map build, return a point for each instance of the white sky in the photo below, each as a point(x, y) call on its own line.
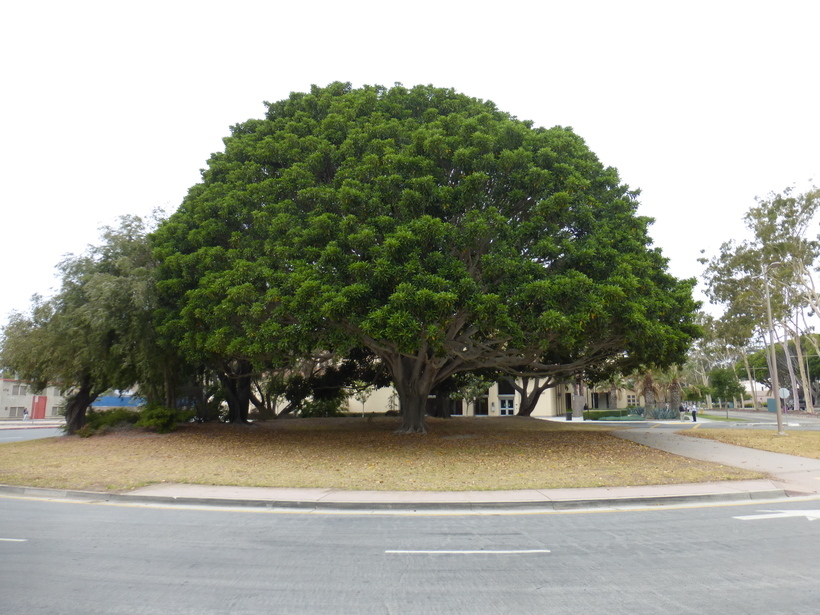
point(112, 107)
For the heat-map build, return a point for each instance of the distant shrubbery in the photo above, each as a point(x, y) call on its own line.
point(632, 413)
point(161, 418)
point(153, 417)
point(103, 421)
point(597, 415)
point(322, 408)
point(663, 414)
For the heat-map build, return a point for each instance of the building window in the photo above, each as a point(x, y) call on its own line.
point(16, 412)
point(18, 389)
point(631, 400)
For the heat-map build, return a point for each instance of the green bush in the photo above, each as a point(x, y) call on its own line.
point(86, 431)
point(663, 414)
point(321, 408)
point(100, 422)
point(160, 418)
point(597, 415)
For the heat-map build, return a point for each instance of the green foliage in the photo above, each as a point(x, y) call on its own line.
point(322, 408)
point(724, 384)
point(625, 417)
point(100, 422)
point(161, 419)
point(662, 414)
point(112, 418)
point(96, 333)
point(595, 415)
point(440, 233)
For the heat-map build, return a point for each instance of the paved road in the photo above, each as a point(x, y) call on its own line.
point(86, 559)
point(17, 435)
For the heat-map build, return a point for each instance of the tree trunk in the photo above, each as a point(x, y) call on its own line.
point(529, 399)
point(803, 377)
point(674, 395)
point(76, 407)
point(237, 383)
point(169, 387)
point(750, 378)
point(792, 379)
point(413, 401)
point(442, 405)
point(265, 403)
point(649, 404)
point(527, 405)
point(612, 400)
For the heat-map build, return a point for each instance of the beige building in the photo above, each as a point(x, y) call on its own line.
point(17, 398)
point(502, 400)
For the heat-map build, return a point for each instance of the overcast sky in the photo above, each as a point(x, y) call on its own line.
point(112, 108)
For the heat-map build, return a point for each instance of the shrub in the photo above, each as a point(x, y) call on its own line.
point(100, 422)
point(663, 414)
point(160, 418)
point(597, 415)
point(321, 408)
point(86, 431)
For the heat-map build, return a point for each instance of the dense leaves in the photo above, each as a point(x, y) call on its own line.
point(96, 333)
point(429, 227)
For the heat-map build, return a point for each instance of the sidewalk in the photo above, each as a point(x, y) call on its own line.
point(789, 476)
point(49, 423)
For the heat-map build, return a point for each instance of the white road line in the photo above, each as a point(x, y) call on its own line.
point(811, 515)
point(441, 552)
point(13, 539)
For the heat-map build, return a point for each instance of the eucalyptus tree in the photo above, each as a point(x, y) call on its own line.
point(431, 228)
point(782, 245)
point(97, 332)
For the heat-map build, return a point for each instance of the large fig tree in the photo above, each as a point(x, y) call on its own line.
point(427, 226)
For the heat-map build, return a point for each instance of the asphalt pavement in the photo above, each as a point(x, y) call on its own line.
point(789, 476)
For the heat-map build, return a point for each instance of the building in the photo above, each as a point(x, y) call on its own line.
point(17, 396)
point(503, 400)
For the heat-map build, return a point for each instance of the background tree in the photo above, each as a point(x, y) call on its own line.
point(781, 225)
point(725, 385)
point(96, 333)
point(647, 388)
point(440, 233)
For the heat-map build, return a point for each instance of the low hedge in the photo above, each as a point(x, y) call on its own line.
point(597, 415)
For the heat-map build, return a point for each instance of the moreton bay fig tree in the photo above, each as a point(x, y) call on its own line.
point(427, 226)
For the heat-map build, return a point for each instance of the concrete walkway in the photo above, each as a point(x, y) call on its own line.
point(788, 476)
point(795, 475)
point(50, 423)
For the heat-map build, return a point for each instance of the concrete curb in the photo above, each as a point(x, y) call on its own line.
point(397, 506)
point(8, 426)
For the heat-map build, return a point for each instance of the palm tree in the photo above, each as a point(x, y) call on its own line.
point(647, 388)
point(617, 384)
point(671, 385)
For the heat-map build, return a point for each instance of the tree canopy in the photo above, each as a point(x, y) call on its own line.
point(432, 229)
point(96, 333)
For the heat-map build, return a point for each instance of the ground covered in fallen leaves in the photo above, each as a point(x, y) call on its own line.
point(354, 453)
point(800, 443)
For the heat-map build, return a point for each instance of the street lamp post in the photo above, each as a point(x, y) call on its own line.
point(775, 381)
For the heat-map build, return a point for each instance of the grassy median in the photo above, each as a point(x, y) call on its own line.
point(355, 453)
point(800, 443)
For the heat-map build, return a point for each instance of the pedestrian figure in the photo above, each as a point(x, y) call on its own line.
point(25, 414)
point(681, 411)
point(694, 414)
